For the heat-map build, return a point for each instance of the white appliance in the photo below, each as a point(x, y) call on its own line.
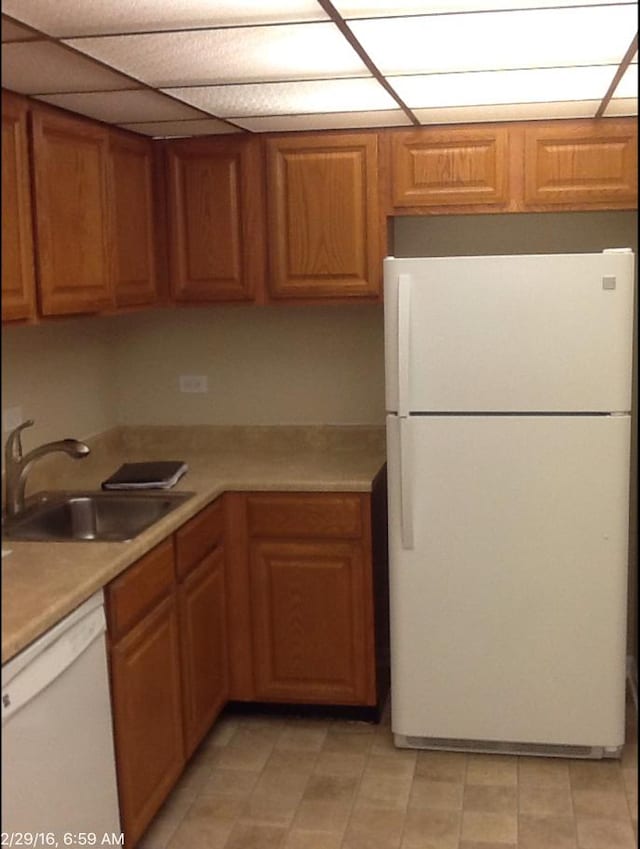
point(58, 762)
point(508, 390)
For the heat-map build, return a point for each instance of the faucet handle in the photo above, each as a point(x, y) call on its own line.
point(14, 443)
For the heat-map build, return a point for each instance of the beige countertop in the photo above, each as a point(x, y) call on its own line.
point(42, 582)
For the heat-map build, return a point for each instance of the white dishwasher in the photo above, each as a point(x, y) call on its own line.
point(58, 764)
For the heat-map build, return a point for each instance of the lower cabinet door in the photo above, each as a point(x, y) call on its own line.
point(311, 622)
point(147, 708)
point(204, 647)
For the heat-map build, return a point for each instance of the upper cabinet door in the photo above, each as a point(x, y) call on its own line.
point(216, 219)
point(133, 262)
point(18, 279)
point(454, 166)
point(323, 216)
point(582, 164)
point(72, 213)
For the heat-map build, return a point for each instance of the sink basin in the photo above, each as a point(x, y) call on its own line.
point(98, 516)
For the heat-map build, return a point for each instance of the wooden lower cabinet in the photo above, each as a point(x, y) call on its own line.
point(168, 663)
point(302, 586)
point(147, 708)
point(311, 617)
point(204, 646)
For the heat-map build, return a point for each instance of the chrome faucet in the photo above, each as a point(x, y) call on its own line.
point(17, 465)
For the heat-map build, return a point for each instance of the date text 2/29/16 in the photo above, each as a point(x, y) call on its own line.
point(33, 839)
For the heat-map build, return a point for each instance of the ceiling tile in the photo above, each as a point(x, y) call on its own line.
point(628, 85)
point(288, 98)
point(120, 107)
point(15, 32)
point(171, 129)
point(493, 87)
point(326, 121)
point(387, 9)
point(508, 112)
point(38, 67)
point(248, 54)
point(68, 18)
point(499, 40)
point(621, 106)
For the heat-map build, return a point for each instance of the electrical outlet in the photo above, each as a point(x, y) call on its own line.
point(11, 418)
point(193, 383)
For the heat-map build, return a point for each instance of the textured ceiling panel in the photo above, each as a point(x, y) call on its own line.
point(171, 129)
point(492, 87)
point(508, 112)
point(498, 40)
point(628, 85)
point(383, 8)
point(42, 66)
point(329, 121)
point(67, 18)
point(622, 106)
point(120, 107)
point(250, 54)
point(288, 98)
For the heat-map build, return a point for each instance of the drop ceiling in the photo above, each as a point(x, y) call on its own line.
point(196, 67)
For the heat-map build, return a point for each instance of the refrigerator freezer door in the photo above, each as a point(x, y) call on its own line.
point(511, 333)
point(508, 614)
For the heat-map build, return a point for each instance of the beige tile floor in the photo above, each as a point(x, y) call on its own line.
point(260, 782)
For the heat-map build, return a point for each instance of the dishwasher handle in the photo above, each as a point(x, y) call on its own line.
point(50, 664)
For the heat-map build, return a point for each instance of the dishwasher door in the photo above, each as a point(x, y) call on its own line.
point(58, 763)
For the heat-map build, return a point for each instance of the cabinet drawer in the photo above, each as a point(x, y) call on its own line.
point(139, 589)
point(199, 536)
point(305, 515)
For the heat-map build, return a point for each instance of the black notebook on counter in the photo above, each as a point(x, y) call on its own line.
point(157, 474)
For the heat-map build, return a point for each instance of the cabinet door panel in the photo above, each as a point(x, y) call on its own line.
point(204, 649)
point(323, 217)
point(133, 263)
point(582, 165)
point(452, 167)
point(309, 621)
point(216, 220)
point(146, 694)
point(72, 214)
point(18, 278)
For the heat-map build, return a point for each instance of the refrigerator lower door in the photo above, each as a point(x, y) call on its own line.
point(508, 602)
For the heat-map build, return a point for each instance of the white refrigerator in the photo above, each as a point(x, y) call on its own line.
point(508, 397)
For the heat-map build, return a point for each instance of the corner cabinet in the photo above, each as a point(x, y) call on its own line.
point(133, 263)
point(303, 590)
point(323, 216)
point(18, 277)
point(70, 158)
point(215, 218)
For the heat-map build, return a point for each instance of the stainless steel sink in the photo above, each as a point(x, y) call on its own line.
point(99, 516)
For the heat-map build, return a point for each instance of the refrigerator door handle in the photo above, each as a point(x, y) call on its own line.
point(404, 340)
point(406, 484)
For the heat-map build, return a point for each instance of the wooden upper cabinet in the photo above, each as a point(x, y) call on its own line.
point(133, 263)
point(582, 164)
point(72, 213)
point(455, 166)
point(323, 218)
point(18, 279)
point(215, 219)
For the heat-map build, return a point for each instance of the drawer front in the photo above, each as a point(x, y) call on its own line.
point(139, 589)
point(198, 537)
point(310, 515)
